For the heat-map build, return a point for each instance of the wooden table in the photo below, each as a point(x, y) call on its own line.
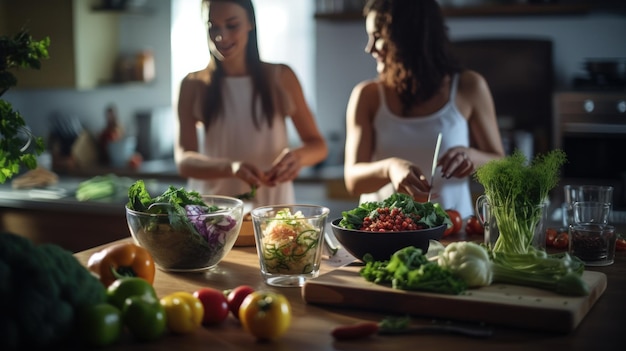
point(602, 328)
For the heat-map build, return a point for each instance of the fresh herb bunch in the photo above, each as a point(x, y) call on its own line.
point(516, 188)
point(20, 51)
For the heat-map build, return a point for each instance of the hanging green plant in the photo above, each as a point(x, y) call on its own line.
point(17, 144)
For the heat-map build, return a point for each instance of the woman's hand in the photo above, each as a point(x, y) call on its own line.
point(456, 162)
point(409, 179)
point(285, 167)
point(248, 173)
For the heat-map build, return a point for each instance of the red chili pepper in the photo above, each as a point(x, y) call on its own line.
point(355, 331)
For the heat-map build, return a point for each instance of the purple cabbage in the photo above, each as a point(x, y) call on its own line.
point(212, 228)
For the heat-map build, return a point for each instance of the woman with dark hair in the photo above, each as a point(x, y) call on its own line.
point(393, 121)
point(242, 104)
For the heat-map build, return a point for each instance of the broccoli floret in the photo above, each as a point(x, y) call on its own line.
point(43, 286)
point(409, 269)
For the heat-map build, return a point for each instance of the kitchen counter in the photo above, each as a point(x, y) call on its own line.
point(54, 215)
point(601, 329)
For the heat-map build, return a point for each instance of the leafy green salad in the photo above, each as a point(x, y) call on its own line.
point(188, 213)
point(427, 214)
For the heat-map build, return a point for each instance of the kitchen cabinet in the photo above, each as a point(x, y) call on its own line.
point(83, 43)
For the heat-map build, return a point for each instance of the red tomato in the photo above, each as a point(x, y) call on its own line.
point(214, 303)
point(235, 298)
point(551, 234)
point(561, 241)
point(620, 243)
point(457, 222)
point(473, 226)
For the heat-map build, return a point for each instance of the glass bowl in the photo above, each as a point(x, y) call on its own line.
point(192, 242)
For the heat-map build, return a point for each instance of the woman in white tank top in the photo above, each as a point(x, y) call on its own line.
point(242, 104)
point(393, 121)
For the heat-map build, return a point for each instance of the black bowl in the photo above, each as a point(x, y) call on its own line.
point(382, 245)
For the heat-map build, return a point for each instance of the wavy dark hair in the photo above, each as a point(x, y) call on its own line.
point(418, 50)
point(260, 81)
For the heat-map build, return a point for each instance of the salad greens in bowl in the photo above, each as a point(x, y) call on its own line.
point(381, 228)
point(183, 230)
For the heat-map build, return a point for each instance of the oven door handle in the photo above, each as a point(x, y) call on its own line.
point(594, 128)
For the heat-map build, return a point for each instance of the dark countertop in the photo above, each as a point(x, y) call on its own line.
point(61, 196)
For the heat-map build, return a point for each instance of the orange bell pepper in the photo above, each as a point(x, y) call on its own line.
point(122, 260)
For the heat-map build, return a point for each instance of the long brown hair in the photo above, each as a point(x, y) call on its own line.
point(260, 80)
point(418, 50)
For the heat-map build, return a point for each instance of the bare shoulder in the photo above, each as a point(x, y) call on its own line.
point(283, 72)
point(471, 83)
point(197, 78)
point(365, 99)
point(367, 89)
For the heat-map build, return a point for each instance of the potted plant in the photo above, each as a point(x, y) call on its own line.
point(17, 144)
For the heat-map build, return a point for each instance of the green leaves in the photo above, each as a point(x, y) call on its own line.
point(430, 214)
point(20, 52)
point(410, 269)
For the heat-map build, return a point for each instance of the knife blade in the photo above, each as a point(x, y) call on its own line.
point(434, 168)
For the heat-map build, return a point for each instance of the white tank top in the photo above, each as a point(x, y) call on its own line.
point(414, 139)
point(233, 136)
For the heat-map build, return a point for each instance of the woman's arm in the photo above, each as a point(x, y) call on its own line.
point(478, 106)
point(313, 149)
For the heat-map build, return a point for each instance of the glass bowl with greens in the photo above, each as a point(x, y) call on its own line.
point(183, 230)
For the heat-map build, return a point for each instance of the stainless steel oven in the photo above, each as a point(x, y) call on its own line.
point(590, 126)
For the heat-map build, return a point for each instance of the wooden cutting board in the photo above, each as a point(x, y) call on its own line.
point(503, 304)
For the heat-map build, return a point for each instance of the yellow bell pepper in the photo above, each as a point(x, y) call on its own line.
point(184, 312)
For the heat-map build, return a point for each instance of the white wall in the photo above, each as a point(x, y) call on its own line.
point(137, 32)
point(341, 61)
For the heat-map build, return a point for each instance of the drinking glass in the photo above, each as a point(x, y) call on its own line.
point(583, 193)
point(289, 242)
point(594, 244)
point(591, 212)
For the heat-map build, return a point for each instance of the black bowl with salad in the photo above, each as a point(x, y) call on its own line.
point(383, 227)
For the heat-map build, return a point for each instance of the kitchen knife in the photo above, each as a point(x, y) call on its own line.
point(435, 158)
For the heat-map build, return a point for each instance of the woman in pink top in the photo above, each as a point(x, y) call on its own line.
point(242, 105)
point(393, 121)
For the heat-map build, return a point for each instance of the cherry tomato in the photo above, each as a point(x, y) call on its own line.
point(214, 303)
point(561, 241)
point(551, 234)
point(265, 314)
point(236, 296)
point(184, 312)
point(144, 317)
point(457, 222)
point(473, 226)
point(620, 243)
point(100, 324)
